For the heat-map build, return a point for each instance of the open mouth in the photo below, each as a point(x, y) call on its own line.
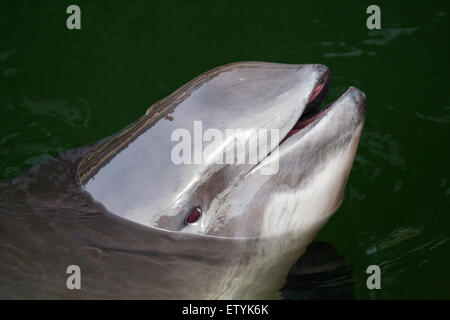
point(313, 111)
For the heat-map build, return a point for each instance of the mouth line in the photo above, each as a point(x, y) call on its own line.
point(312, 111)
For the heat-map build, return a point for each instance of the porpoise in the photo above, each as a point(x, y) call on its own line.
point(158, 211)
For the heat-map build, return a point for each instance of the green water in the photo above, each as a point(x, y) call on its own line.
point(62, 89)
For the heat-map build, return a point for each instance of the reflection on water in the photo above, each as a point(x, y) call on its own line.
point(321, 273)
point(385, 146)
point(393, 238)
point(385, 36)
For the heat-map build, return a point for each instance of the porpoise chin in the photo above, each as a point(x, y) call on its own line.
point(141, 224)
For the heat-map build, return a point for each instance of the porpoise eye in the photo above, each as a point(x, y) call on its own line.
point(195, 214)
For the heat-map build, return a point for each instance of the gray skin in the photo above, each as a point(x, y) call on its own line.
point(118, 208)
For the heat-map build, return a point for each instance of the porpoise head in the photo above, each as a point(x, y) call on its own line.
point(289, 161)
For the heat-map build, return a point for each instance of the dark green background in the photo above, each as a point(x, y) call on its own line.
point(61, 89)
